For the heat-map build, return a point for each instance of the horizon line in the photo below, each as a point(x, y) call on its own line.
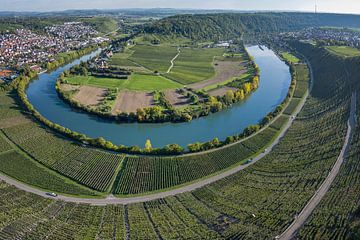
point(179, 9)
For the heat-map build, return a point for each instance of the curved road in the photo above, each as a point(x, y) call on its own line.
point(325, 186)
point(113, 200)
point(187, 188)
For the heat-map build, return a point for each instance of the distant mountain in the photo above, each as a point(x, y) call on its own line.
point(153, 12)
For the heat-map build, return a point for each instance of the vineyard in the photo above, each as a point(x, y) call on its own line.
point(8, 107)
point(145, 174)
point(90, 167)
point(256, 203)
point(280, 122)
point(337, 216)
point(104, 171)
point(25, 170)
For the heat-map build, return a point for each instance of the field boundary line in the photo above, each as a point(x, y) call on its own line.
point(111, 200)
point(301, 103)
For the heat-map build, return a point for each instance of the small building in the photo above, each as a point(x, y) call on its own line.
point(36, 68)
point(5, 73)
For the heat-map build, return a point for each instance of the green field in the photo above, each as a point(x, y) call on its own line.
point(256, 203)
point(136, 82)
point(289, 57)
point(155, 58)
point(344, 51)
point(121, 59)
point(194, 65)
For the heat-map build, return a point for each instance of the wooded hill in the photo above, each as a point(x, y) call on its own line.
point(229, 25)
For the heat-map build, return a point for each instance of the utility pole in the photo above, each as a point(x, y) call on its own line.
point(315, 7)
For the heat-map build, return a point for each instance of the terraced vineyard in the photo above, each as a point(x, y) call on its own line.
point(257, 203)
point(92, 168)
point(337, 216)
point(98, 169)
point(144, 174)
point(279, 124)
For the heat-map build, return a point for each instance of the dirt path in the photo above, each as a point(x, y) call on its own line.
point(191, 187)
point(325, 186)
point(172, 61)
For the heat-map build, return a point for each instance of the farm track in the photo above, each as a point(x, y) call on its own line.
point(172, 61)
point(300, 220)
point(325, 186)
point(188, 188)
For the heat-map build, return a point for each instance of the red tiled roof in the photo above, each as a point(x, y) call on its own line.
point(5, 73)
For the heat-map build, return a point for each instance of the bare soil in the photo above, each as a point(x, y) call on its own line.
point(90, 96)
point(176, 99)
point(130, 101)
point(69, 87)
point(225, 70)
point(221, 91)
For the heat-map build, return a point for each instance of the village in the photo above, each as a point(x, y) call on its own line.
point(347, 36)
point(27, 48)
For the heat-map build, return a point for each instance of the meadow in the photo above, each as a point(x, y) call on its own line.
point(344, 51)
point(194, 65)
point(155, 58)
point(136, 82)
point(290, 57)
point(257, 203)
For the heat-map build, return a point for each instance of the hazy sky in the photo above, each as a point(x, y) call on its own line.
point(346, 6)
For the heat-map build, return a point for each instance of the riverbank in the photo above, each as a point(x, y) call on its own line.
point(274, 88)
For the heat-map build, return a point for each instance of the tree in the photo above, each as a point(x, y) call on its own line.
point(194, 147)
point(148, 146)
point(229, 97)
point(247, 88)
point(239, 95)
point(174, 149)
point(229, 140)
point(216, 142)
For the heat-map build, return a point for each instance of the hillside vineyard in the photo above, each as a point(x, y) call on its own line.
point(293, 174)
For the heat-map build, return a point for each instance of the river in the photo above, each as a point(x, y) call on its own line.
point(275, 80)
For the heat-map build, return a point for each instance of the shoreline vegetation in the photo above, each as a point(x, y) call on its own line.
point(200, 103)
point(169, 150)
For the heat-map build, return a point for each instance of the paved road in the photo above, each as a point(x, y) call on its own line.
point(145, 198)
point(191, 187)
point(325, 186)
point(172, 61)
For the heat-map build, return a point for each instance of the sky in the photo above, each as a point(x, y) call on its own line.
point(342, 6)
